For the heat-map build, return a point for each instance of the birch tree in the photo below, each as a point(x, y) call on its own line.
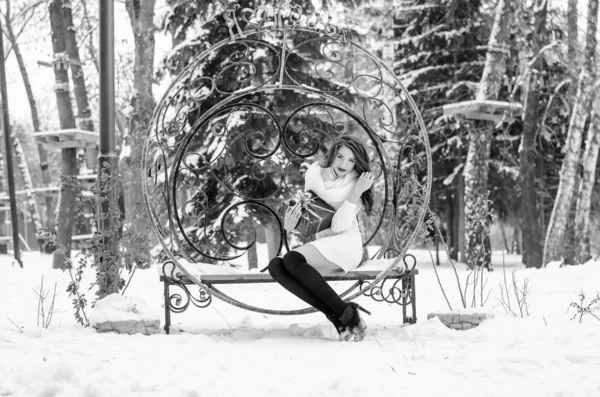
point(141, 15)
point(584, 201)
point(572, 35)
point(554, 246)
point(584, 198)
point(476, 166)
point(69, 164)
point(532, 230)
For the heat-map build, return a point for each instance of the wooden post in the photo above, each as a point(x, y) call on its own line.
point(8, 150)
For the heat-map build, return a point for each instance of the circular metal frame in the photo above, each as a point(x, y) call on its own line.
point(407, 179)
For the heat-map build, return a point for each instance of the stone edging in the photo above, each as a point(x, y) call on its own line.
point(460, 321)
point(130, 327)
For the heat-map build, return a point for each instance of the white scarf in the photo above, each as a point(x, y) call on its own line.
point(333, 192)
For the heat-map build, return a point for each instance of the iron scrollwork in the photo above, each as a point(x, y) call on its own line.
point(226, 147)
point(177, 302)
point(396, 289)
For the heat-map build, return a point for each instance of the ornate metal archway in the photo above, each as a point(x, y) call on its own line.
point(232, 136)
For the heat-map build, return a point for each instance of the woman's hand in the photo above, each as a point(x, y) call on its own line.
point(364, 182)
point(292, 216)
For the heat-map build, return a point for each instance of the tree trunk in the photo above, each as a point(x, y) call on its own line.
point(252, 257)
point(3, 232)
point(450, 219)
point(590, 160)
point(35, 120)
point(18, 149)
point(79, 87)
point(84, 115)
point(532, 231)
point(141, 14)
point(28, 185)
point(272, 234)
point(504, 238)
point(476, 167)
point(476, 175)
point(542, 183)
point(572, 38)
point(261, 238)
point(69, 165)
point(90, 44)
point(460, 193)
point(516, 245)
point(554, 245)
point(569, 254)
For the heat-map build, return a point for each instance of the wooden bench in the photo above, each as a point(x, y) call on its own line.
point(398, 288)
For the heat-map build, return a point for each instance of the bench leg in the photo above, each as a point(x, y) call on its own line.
point(405, 285)
point(413, 292)
point(409, 295)
point(167, 307)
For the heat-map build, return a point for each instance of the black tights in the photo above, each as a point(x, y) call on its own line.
point(304, 281)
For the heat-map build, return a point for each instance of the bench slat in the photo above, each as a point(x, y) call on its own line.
point(266, 277)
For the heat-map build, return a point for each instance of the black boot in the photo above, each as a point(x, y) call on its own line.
point(344, 332)
point(351, 319)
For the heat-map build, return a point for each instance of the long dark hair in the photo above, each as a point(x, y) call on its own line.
point(361, 164)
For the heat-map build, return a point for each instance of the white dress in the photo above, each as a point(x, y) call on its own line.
point(342, 243)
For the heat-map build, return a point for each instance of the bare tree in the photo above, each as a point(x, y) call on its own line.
point(89, 35)
point(554, 246)
point(81, 94)
point(69, 164)
point(84, 116)
point(26, 16)
point(141, 14)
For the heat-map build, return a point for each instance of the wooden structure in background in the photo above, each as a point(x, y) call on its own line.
point(6, 230)
point(28, 236)
point(485, 110)
point(71, 138)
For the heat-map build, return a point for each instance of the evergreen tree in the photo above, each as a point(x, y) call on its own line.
point(438, 49)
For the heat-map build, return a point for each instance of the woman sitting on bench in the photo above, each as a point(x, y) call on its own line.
point(344, 182)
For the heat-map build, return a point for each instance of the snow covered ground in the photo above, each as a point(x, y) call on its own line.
point(226, 351)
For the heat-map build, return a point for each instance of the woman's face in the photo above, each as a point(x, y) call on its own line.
point(343, 163)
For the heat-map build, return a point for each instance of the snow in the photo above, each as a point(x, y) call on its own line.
point(116, 307)
point(227, 351)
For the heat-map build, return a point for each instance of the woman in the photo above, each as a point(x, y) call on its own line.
point(344, 181)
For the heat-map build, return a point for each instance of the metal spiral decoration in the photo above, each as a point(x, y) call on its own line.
point(233, 135)
point(179, 303)
point(392, 290)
